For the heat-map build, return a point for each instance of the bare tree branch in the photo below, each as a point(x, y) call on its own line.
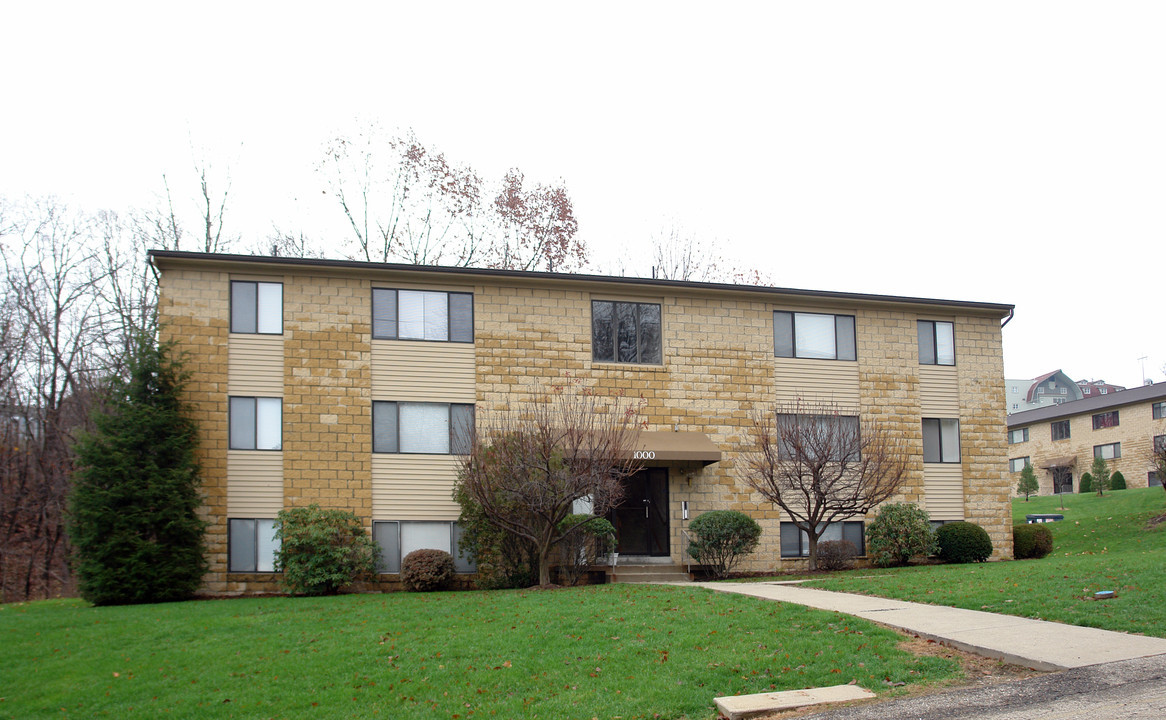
point(821, 465)
point(528, 465)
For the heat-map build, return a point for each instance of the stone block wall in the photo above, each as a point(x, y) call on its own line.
point(1135, 431)
point(718, 370)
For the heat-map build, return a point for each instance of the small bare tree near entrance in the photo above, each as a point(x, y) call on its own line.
point(527, 465)
point(821, 466)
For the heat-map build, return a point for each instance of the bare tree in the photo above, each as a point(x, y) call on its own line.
point(680, 254)
point(405, 201)
point(1158, 458)
point(527, 466)
point(57, 341)
point(820, 465)
point(284, 243)
point(212, 209)
point(536, 228)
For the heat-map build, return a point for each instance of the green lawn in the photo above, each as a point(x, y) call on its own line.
point(606, 651)
point(1102, 544)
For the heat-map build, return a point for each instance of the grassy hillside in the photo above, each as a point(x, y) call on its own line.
point(606, 651)
point(1102, 544)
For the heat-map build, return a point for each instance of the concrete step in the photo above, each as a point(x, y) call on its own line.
point(648, 574)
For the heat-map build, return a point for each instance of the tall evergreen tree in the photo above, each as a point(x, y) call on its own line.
point(133, 509)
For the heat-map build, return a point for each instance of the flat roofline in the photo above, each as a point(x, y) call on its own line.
point(1000, 309)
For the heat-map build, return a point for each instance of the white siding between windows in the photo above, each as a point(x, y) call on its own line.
point(830, 381)
point(414, 487)
point(254, 483)
point(939, 390)
point(423, 371)
point(944, 491)
point(255, 365)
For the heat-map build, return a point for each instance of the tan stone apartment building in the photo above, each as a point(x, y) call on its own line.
point(340, 383)
point(1061, 441)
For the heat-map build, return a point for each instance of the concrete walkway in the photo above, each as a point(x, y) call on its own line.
point(1033, 643)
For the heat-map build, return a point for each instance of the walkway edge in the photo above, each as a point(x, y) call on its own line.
point(1038, 644)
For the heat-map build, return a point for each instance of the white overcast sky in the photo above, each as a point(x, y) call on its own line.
point(1009, 152)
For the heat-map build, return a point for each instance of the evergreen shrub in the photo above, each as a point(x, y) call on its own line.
point(1086, 484)
point(1033, 541)
point(898, 533)
point(963, 542)
point(720, 538)
point(427, 570)
point(322, 550)
point(133, 509)
point(1117, 481)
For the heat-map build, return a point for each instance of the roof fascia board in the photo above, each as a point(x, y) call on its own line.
point(162, 259)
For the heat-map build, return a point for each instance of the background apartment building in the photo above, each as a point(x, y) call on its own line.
point(345, 383)
point(1061, 441)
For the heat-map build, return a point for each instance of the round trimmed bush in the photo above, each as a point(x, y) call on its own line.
point(1086, 483)
point(721, 538)
point(963, 542)
point(898, 533)
point(427, 570)
point(836, 554)
point(1117, 481)
point(1031, 541)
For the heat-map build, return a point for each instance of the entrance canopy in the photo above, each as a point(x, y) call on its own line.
point(676, 446)
point(1060, 462)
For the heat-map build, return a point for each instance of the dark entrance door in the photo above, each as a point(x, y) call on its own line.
point(641, 520)
point(1062, 480)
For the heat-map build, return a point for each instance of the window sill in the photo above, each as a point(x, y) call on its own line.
point(424, 340)
point(610, 365)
